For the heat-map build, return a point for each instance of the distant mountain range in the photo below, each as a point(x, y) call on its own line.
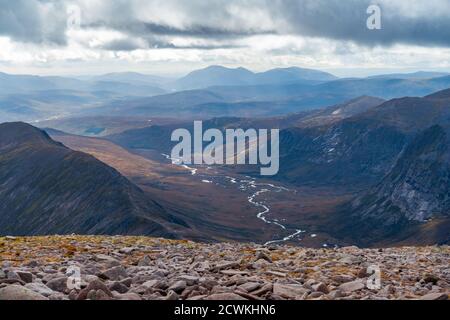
point(413, 75)
point(211, 92)
point(29, 98)
point(267, 100)
point(46, 188)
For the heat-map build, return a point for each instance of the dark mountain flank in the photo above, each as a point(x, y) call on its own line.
point(412, 202)
point(46, 188)
point(360, 150)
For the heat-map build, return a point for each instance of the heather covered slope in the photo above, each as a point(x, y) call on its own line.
point(46, 188)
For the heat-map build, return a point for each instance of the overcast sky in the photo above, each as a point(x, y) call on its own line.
point(177, 36)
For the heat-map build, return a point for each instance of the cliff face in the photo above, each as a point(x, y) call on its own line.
point(412, 202)
point(419, 184)
point(46, 188)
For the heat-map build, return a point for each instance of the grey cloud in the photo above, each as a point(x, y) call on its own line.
point(123, 45)
point(33, 21)
point(419, 22)
point(157, 36)
point(403, 21)
point(142, 28)
point(152, 42)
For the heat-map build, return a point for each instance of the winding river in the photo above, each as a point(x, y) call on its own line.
point(248, 185)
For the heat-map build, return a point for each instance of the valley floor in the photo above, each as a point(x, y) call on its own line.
point(142, 268)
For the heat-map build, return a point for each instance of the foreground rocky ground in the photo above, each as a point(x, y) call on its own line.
point(135, 268)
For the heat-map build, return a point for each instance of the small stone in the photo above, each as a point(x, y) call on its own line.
point(315, 295)
point(336, 294)
point(73, 295)
point(58, 284)
point(321, 287)
point(225, 296)
point(93, 286)
point(16, 292)
point(352, 286)
point(178, 286)
point(350, 259)
point(12, 275)
point(250, 286)
point(32, 264)
point(276, 273)
point(101, 295)
point(234, 272)
point(208, 283)
point(12, 281)
point(197, 297)
point(259, 264)
point(127, 282)
point(145, 261)
point(104, 257)
point(190, 280)
point(160, 273)
point(39, 288)
point(431, 278)
point(268, 287)
point(27, 277)
point(128, 296)
point(156, 284)
point(172, 296)
point(362, 273)
point(57, 296)
point(289, 291)
point(119, 287)
point(342, 278)
point(264, 256)
point(115, 273)
point(128, 250)
point(224, 266)
point(435, 296)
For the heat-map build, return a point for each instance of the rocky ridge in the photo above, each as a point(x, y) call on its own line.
point(142, 268)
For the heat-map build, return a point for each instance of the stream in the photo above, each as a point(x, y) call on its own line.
point(248, 185)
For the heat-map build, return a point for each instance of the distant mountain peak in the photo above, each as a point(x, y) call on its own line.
point(216, 75)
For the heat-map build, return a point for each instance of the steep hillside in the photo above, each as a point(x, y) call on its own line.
point(412, 203)
point(46, 188)
point(359, 150)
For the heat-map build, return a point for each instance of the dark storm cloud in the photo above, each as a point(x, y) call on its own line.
point(143, 29)
point(33, 21)
point(420, 22)
point(417, 22)
point(131, 45)
point(122, 45)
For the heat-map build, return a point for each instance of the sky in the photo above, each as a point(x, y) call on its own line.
point(173, 37)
